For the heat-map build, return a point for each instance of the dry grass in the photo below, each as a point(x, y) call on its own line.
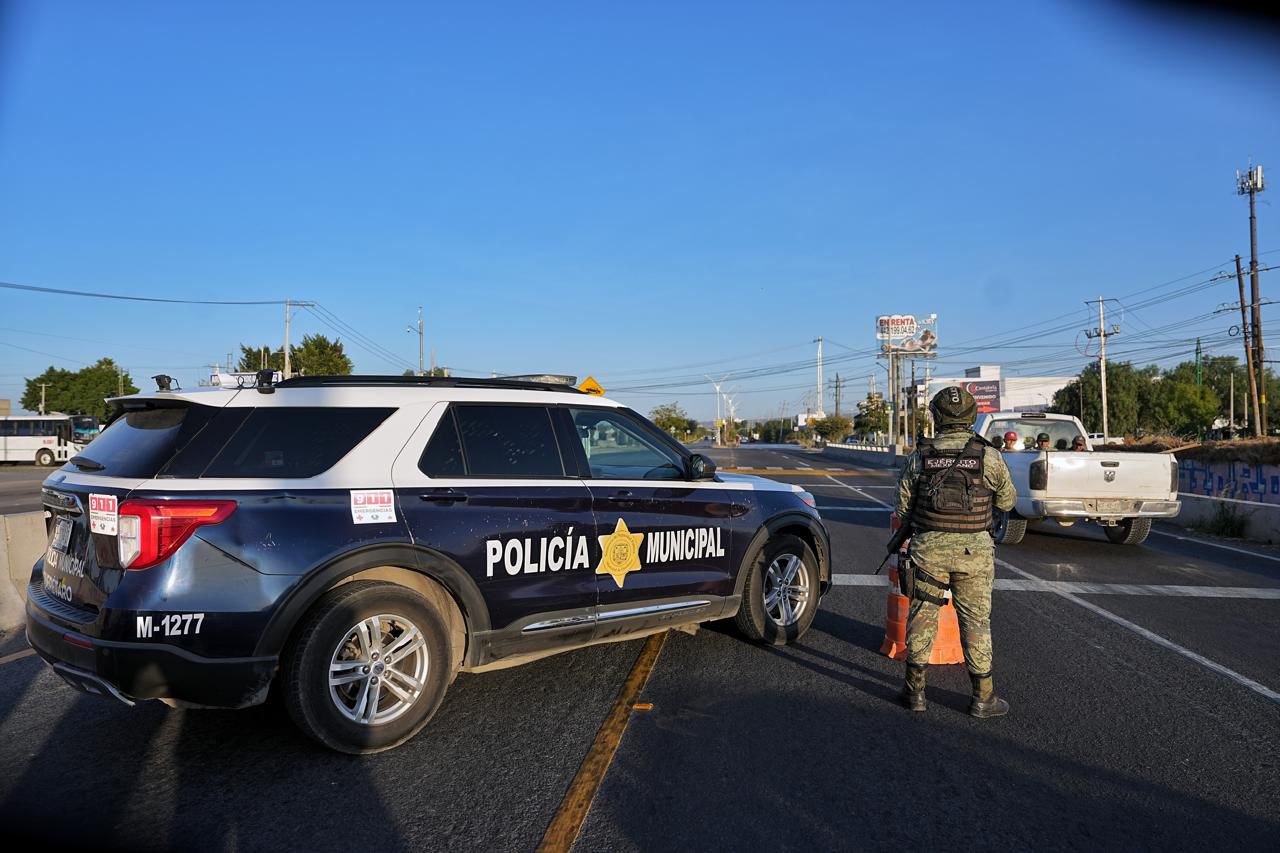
point(1256, 451)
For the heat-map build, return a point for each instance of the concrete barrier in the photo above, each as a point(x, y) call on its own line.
point(873, 455)
point(22, 539)
point(1262, 521)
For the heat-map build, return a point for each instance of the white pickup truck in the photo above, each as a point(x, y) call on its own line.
point(1122, 491)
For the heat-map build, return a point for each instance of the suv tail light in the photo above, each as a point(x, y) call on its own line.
point(150, 531)
point(1038, 476)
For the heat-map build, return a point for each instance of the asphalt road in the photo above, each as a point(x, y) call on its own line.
point(1145, 716)
point(20, 487)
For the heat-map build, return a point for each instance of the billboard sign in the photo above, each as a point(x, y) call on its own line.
point(908, 335)
point(986, 393)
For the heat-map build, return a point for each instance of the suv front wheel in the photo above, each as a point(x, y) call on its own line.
point(367, 668)
point(780, 596)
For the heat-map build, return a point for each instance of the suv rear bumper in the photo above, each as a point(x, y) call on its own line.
point(131, 671)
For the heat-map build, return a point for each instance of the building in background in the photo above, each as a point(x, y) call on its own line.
point(996, 393)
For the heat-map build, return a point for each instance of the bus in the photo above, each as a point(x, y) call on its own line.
point(42, 439)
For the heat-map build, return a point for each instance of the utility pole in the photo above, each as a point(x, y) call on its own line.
point(837, 395)
point(1251, 184)
point(818, 341)
point(421, 363)
point(119, 381)
point(1231, 411)
point(289, 305)
point(1102, 333)
point(43, 385)
point(1248, 351)
point(1199, 366)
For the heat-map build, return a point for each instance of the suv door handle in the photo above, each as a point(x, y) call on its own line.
point(443, 496)
point(622, 496)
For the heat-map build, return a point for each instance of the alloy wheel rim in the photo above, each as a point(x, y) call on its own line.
point(786, 590)
point(378, 670)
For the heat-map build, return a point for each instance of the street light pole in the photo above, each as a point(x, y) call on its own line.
point(421, 362)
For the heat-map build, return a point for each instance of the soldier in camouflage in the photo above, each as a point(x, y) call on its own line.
point(949, 487)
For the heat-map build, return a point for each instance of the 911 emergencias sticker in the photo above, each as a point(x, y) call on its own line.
point(103, 514)
point(373, 506)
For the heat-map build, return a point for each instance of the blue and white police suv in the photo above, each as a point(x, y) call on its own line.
point(355, 542)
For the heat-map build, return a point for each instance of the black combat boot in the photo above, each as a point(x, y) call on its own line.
point(985, 702)
point(912, 696)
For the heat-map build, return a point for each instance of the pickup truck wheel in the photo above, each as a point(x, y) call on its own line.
point(1010, 530)
point(1131, 531)
point(367, 668)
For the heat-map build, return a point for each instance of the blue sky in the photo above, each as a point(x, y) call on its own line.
point(642, 193)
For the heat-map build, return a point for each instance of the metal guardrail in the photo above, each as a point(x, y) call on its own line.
point(872, 448)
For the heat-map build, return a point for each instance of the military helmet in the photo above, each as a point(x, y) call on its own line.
point(953, 406)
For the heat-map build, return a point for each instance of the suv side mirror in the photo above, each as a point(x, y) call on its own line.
point(701, 468)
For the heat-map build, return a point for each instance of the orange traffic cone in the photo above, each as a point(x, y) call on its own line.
point(946, 647)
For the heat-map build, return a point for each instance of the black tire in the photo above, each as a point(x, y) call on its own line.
point(1010, 528)
point(754, 619)
point(329, 627)
point(44, 458)
point(1131, 531)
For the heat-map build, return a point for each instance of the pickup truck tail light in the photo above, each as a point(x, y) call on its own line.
point(151, 531)
point(1173, 474)
point(1038, 478)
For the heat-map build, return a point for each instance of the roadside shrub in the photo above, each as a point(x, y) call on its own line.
point(1226, 521)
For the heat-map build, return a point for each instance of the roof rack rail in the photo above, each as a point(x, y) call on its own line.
point(513, 383)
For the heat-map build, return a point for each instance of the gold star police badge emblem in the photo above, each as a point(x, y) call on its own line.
point(619, 553)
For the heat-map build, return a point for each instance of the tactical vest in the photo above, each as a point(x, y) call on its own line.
point(951, 495)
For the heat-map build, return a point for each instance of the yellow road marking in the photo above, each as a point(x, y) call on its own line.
point(569, 818)
point(25, 653)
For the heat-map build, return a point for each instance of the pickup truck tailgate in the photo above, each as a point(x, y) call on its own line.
point(1109, 475)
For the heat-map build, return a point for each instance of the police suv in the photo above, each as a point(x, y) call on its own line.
point(358, 541)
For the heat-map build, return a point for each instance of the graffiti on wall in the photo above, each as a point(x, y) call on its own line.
point(1240, 480)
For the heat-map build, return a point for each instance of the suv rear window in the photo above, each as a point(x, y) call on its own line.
point(138, 444)
point(188, 441)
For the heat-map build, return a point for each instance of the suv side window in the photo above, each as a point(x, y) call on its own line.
point(294, 441)
point(443, 454)
point(617, 448)
point(507, 441)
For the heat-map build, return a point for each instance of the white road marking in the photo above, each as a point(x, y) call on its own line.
point(804, 467)
point(1083, 588)
point(859, 491)
point(1217, 545)
point(774, 468)
point(1213, 666)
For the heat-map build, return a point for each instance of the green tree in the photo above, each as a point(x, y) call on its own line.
point(1185, 408)
point(873, 415)
point(317, 356)
point(833, 427)
point(670, 418)
point(252, 359)
point(78, 392)
point(434, 371)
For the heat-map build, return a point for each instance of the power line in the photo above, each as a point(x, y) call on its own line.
point(28, 287)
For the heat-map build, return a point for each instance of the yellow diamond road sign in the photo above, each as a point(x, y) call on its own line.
point(592, 387)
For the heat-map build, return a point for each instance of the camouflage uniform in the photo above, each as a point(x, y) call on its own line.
point(965, 560)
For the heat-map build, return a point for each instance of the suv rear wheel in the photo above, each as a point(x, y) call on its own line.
point(780, 597)
point(367, 668)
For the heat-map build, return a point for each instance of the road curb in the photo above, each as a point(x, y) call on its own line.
point(22, 538)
